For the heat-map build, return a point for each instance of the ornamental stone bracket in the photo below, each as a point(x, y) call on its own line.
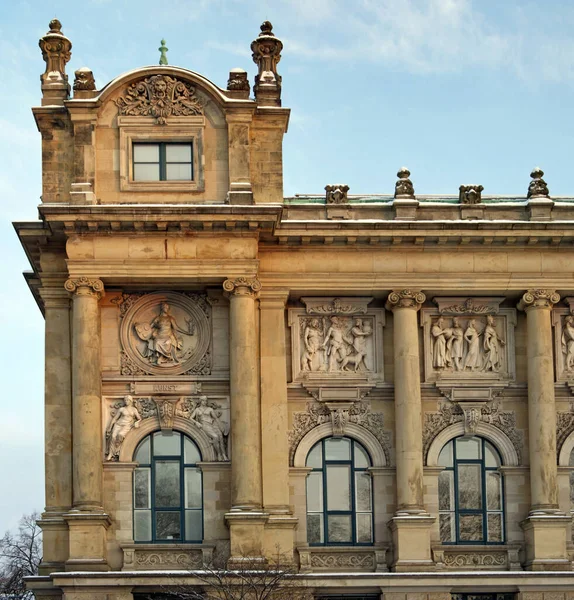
point(344, 559)
point(482, 558)
point(337, 342)
point(471, 414)
point(563, 323)
point(158, 557)
point(469, 344)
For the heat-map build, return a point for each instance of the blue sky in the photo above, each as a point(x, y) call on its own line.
point(460, 91)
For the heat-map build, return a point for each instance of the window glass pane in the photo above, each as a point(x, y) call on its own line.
point(339, 528)
point(490, 456)
point(470, 527)
point(142, 525)
point(191, 452)
point(178, 153)
point(146, 153)
point(445, 456)
point(468, 448)
point(495, 527)
point(315, 458)
point(146, 172)
point(493, 491)
point(176, 172)
point(166, 443)
point(193, 525)
point(469, 487)
point(363, 491)
point(315, 492)
point(192, 488)
point(167, 526)
point(315, 528)
point(447, 532)
point(142, 488)
point(338, 487)
point(446, 490)
point(167, 483)
point(364, 528)
point(361, 458)
point(337, 449)
point(142, 452)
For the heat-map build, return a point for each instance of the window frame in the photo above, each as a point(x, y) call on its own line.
point(142, 132)
point(153, 509)
point(353, 512)
point(162, 160)
point(484, 511)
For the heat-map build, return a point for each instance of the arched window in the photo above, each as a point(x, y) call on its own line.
point(339, 493)
point(168, 497)
point(470, 493)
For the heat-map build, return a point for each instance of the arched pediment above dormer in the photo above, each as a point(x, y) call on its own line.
point(164, 94)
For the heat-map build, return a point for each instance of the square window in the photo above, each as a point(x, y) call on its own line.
point(162, 161)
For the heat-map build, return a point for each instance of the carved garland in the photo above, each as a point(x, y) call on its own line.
point(317, 414)
point(160, 96)
point(451, 412)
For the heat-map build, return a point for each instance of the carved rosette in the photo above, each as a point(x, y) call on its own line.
point(242, 286)
point(83, 286)
point(161, 97)
point(405, 299)
point(541, 298)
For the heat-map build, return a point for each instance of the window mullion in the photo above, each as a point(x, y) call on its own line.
point(162, 158)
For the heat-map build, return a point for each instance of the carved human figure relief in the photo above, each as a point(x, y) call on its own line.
point(492, 345)
point(163, 342)
point(208, 416)
point(165, 334)
point(472, 338)
point(567, 342)
point(441, 358)
point(339, 337)
point(455, 344)
point(125, 418)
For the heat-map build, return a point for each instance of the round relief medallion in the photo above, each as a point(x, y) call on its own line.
point(168, 333)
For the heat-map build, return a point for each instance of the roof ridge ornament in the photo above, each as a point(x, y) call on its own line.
point(266, 55)
point(163, 54)
point(404, 186)
point(470, 194)
point(537, 187)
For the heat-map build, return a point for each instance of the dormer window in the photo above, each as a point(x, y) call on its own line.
point(163, 161)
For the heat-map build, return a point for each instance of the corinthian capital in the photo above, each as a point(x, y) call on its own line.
point(538, 299)
point(242, 286)
point(85, 286)
point(405, 299)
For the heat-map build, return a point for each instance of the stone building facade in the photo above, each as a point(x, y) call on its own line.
point(379, 388)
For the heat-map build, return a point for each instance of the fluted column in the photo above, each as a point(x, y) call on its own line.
point(546, 528)
point(244, 383)
point(411, 524)
point(86, 383)
point(58, 428)
point(408, 439)
point(541, 406)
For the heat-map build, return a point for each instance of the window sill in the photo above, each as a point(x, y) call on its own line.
point(166, 556)
point(362, 559)
point(487, 557)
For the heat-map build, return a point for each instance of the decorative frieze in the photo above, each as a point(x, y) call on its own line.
point(160, 97)
point(329, 344)
point(171, 556)
point(469, 341)
point(337, 560)
point(470, 415)
point(165, 334)
point(339, 415)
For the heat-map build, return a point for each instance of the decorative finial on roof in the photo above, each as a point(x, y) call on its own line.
point(56, 52)
point(163, 56)
point(336, 193)
point(537, 187)
point(238, 83)
point(84, 83)
point(266, 55)
point(470, 194)
point(404, 186)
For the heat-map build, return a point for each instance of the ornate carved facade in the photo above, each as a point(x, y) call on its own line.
point(366, 383)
